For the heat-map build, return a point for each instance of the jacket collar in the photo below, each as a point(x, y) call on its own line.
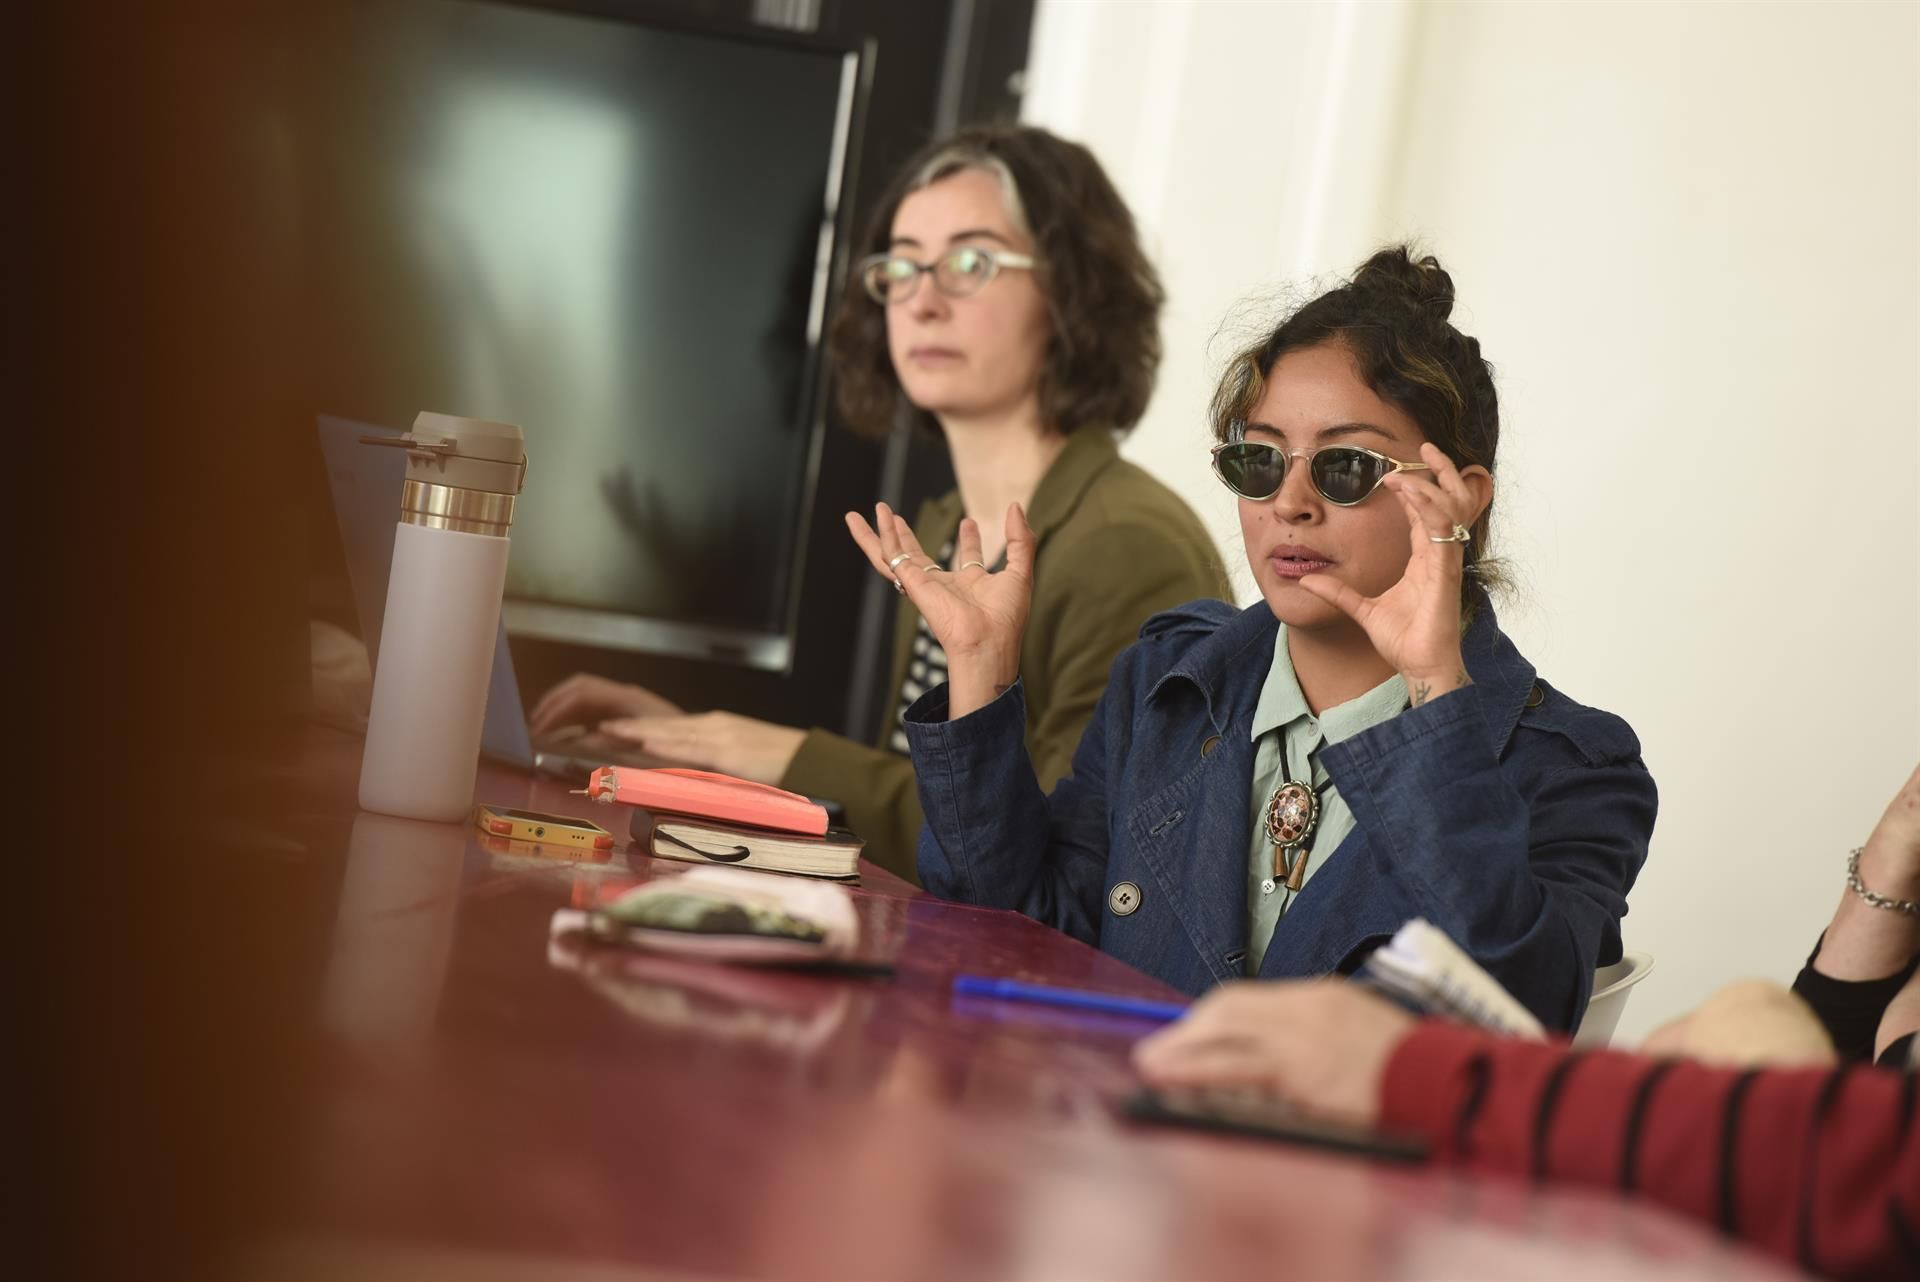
point(1229, 666)
point(1501, 674)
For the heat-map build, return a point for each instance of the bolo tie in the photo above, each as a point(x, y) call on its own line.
point(1292, 813)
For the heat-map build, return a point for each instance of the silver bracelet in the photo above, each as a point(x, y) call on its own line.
point(1878, 900)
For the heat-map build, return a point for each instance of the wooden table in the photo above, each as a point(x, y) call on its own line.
point(480, 1111)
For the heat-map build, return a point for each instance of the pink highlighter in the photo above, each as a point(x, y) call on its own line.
point(709, 796)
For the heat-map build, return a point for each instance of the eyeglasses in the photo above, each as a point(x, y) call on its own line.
point(956, 273)
point(1342, 474)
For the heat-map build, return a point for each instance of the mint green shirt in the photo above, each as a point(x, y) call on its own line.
point(1283, 715)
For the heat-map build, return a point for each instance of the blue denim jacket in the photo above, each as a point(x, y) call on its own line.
point(1505, 813)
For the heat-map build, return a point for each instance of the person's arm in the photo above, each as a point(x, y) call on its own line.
point(1865, 941)
point(1530, 887)
point(1094, 592)
point(1867, 957)
point(992, 836)
point(1815, 1166)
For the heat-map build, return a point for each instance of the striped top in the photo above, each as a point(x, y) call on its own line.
point(927, 669)
point(1813, 1165)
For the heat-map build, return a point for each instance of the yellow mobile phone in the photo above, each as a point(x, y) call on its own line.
point(553, 830)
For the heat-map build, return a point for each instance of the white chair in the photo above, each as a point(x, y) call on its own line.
point(1611, 987)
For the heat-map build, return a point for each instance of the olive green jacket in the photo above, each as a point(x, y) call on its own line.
point(1113, 546)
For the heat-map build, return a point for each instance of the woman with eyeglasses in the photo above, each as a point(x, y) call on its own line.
point(1005, 296)
point(1275, 791)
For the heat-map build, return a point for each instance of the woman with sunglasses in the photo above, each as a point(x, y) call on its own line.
point(1006, 296)
point(1275, 791)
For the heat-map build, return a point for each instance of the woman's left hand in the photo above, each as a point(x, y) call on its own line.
point(722, 741)
point(1415, 624)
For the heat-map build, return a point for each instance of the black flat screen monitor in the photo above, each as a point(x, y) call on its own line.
point(622, 237)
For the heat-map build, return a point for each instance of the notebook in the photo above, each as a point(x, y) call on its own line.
point(1424, 968)
point(834, 854)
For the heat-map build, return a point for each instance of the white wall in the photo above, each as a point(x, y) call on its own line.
point(1687, 235)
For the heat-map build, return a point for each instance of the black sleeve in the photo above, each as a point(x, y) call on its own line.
point(1850, 1009)
point(1899, 1053)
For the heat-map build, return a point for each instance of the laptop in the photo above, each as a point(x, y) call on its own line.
point(365, 484)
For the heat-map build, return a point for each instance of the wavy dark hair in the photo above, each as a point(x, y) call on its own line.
point(1102, 292)
point(1392, 318)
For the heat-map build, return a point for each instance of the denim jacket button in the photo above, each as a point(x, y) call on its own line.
point(1206, 748)
point(1536, 697)
point(1124, 899)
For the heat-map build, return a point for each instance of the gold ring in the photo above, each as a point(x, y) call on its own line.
point(895, 563)
point(1461, 534)
point(970, 564)
point(934, 569)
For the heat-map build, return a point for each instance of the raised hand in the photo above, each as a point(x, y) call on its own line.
point(977, 617)
point(1415, 624)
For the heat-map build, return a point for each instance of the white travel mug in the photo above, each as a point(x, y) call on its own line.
point(443, 610)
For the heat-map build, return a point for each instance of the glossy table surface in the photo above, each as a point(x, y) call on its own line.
point(480, 1108)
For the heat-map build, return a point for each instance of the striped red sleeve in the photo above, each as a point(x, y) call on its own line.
point(1817, 1166)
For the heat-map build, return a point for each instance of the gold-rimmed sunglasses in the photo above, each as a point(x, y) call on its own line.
point(1342, 474)
point(889, 278)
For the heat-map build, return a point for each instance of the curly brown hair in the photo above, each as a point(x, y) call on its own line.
point(1392, 319)
point(1102, 293)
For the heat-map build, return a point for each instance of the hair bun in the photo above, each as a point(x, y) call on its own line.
point(1422, 282)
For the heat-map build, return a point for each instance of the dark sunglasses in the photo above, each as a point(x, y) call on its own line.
point(1343, 474)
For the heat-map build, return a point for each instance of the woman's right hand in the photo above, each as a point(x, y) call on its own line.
point(586, 700)
point(978, 617)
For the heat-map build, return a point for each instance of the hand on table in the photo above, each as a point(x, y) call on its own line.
point(586, 700)
point(1415, 624)
point(1322, 1045)
point(978, 617)
point(721, 741)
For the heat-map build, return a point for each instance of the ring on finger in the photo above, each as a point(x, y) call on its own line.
point(894, 564)
point(968, 565)
point(1461, 534)
point(899, 587)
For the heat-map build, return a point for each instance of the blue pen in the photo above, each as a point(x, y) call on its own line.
point(1012, 990)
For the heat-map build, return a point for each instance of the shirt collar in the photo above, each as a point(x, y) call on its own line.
point(1282, 702)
